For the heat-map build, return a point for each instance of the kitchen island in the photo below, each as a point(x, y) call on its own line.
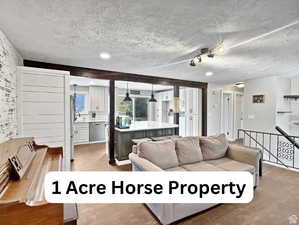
point(142, 129)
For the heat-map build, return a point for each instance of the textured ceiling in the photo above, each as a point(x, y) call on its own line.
point(149, 37)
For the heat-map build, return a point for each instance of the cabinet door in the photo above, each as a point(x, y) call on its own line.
point(97, 99)
point(189, 100)
point(81, 133)
point(100, 104)
point(195, 101)
point(192, 100)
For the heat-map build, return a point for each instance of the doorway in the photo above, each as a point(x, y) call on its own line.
point(239, 106)
point(232, 106)
point(227, 121)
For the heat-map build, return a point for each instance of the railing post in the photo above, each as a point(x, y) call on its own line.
point(277, 143)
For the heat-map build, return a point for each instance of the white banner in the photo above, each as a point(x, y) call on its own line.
point(149, 187)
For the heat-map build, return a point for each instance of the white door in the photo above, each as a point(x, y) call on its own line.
point(239, 106)
point(227, 115)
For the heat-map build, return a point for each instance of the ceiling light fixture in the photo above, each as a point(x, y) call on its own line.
point(209, 73)
point(152, 99)
point(127, 98)
point(105, 55)
point(195, 61)
point(239, 84)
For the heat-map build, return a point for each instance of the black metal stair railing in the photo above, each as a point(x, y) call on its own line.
point(288, 137)
point(280, 149)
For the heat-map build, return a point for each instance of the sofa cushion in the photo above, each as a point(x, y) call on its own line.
point(201, 166)
point(231, 165)
point(160, 153)
point(188, 150)
point(213, 147)
point(175, 169)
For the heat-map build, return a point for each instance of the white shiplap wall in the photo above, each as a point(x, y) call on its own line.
point(44, 106)
point(9, 60)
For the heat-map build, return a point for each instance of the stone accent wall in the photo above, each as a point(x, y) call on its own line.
point(9, 60)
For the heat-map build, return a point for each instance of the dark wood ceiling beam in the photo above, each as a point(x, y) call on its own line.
point(111, 75)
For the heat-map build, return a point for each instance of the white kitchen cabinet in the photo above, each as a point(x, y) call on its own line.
point(81, 133)
point(192, 100)
point(190, 108)
point(97, 99)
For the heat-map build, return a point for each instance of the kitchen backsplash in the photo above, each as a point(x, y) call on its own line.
point(9, 60)
point(87, 117)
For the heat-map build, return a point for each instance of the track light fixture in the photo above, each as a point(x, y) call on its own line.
point(207, 52)
point(195, 61)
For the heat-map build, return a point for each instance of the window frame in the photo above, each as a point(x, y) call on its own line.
point(86, 101)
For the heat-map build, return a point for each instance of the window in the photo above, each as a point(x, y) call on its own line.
point(81, 103)
point(125, 108)
point(140, 108)
point(137, 109)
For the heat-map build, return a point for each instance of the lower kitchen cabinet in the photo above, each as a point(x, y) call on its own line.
point(89, 132)
point(81, 133)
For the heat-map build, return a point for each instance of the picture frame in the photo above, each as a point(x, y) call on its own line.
point(258, 99)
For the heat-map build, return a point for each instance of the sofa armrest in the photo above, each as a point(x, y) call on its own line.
point(244, 154)
point(143, 164)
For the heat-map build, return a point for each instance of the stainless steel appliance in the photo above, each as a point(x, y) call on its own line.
point(96, 131)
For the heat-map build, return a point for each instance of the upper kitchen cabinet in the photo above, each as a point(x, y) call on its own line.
point(192, 99)
point(97, 100)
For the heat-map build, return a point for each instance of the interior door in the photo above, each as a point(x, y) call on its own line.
point(227, 115)
point(239, 106)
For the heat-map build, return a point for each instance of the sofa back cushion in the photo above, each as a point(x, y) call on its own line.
point(213, 147)
point(160, 153)
point(188, 150)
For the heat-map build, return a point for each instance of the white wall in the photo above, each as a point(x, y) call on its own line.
point(9, 60)
point(260, 117)
point(214, 105)
point(264, 117)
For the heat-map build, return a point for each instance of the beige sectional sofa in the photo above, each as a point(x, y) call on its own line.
point(212, 153)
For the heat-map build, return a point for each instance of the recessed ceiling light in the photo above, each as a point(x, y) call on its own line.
point(105, 55)
point(92, 83)
point(209, 73)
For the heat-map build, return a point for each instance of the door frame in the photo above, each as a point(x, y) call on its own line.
point(235, 111)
